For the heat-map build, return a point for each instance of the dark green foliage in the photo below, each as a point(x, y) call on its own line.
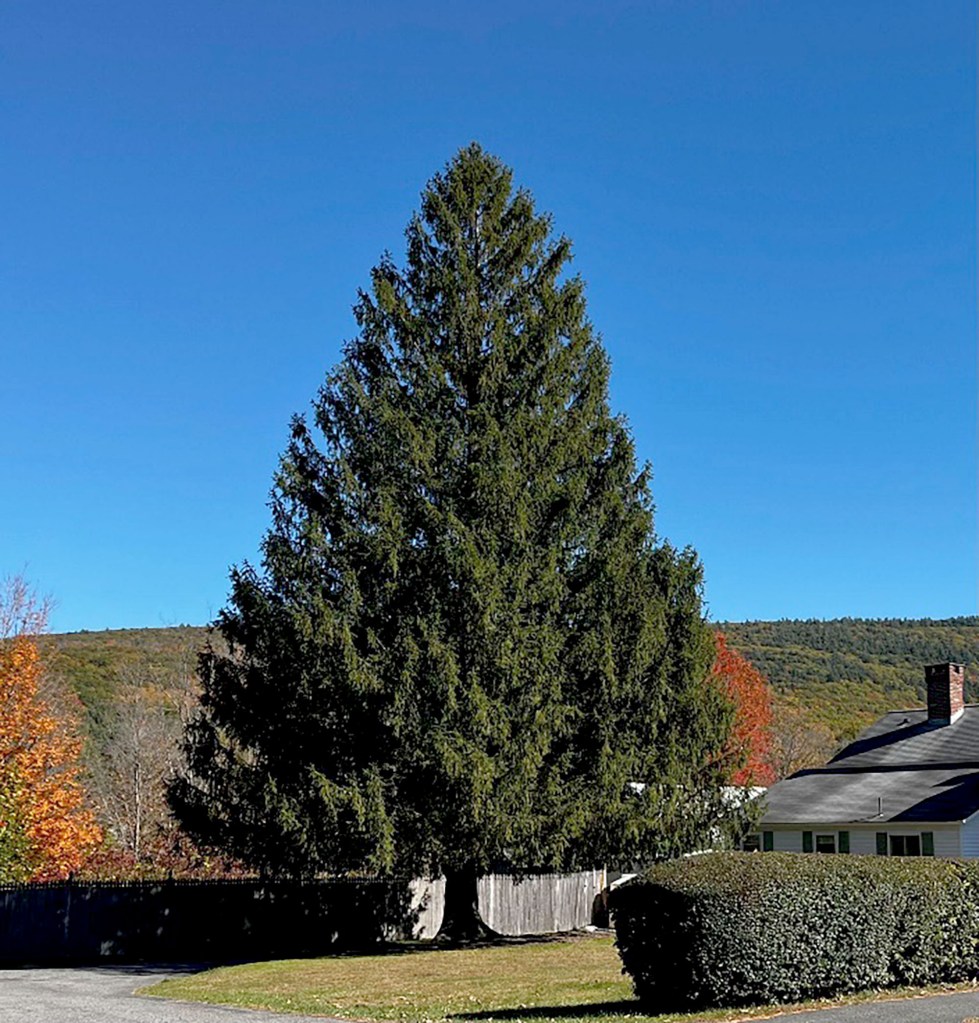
point(465, 642)
point(730, 929)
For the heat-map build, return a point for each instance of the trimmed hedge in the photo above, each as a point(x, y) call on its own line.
point(732, 929)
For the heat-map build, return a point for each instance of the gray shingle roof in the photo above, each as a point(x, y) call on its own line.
point(919, 772)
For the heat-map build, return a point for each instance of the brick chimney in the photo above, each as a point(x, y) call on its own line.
point(945, 692)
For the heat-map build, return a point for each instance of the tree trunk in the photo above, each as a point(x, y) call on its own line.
point(137, 811)
point(461, 922)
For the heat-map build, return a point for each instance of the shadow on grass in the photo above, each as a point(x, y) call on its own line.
point(402, 948)
point(596, 1010)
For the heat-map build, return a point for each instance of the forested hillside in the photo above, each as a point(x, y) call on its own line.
point(133, 689)
point(95, 666)
point(846, 672)
point(841, 673)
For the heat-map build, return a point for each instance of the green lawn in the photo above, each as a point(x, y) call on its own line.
point(568, 981)
point(564, 980)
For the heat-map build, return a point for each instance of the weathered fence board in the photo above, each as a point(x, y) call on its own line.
point(536, 904)
point(540, 904)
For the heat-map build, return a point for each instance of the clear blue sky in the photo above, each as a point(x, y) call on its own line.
point(772, 204)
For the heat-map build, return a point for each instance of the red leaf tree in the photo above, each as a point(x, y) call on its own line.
point(751, 737)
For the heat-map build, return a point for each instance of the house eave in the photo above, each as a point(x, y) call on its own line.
point(862, 823)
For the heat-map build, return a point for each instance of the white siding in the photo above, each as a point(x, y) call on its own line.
point(787, 841)
point(863, 839)
point(947, 840)
point(790, 840)
point(863, 842)
point(970, 836)
point(946, 836)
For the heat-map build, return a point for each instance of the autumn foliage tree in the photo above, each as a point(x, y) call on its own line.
point(799, 739)
point(751, 738)
point(46, 829)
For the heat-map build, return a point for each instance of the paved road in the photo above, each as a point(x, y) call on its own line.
point(104, 994)
point(931, 1009)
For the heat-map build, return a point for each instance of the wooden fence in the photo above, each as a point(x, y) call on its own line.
point(215, 921)
point(536, 904)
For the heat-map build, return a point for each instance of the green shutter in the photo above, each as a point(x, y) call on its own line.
point(767, 841)
point(843, 842)
point(881, 843)
point(927, 843)
point(807, 841)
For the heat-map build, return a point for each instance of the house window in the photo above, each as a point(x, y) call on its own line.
point(905, 845)
point(751, 843)
point(826, 843)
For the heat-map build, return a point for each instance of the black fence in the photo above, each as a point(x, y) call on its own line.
point(208, 921)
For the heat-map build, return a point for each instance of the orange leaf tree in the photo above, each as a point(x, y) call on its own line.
point(751, 737)
point(46, 828)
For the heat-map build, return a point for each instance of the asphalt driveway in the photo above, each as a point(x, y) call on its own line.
point(104, 994)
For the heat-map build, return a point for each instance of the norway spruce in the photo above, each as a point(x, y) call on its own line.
point(465, 645)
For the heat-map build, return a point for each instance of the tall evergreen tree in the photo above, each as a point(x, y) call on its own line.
point(466, 645)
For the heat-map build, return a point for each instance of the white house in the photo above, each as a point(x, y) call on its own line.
point(908, 786)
